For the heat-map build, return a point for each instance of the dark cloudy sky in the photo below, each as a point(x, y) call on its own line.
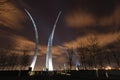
point(79, 17)
point(79, 20)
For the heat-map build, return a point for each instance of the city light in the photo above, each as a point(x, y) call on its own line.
point(108, 68)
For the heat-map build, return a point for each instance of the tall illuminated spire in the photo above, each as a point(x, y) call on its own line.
point(36, 45)
point(49, 64)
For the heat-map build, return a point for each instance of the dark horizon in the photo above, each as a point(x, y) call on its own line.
point(80, 20)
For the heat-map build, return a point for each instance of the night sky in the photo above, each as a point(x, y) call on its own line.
point(79, 20)
point(79, 17)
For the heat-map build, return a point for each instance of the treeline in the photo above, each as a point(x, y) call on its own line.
point(94, 56)
point(90, 57)
point(12, 60)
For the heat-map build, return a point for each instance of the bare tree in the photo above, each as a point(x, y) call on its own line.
point(100, 58)
point(13, 60)
point(108, 56)
point(117, 59)
point(82, 52)
point(3, 58)
point(93, 50)
point(70, 53)
point(25, 59)
point(116, 54)
point(2, 61)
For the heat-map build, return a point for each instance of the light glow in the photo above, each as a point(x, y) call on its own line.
point(108, 68)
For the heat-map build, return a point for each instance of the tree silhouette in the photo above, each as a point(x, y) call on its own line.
point(25, 59)
point(93, 50)
point(13, 60)
point(70, 54)
point(83, 55)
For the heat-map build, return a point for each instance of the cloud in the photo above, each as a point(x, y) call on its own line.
point(113, 19)
point(79, 19)
point(10, 16)
point(102, 39)
point(83, 18)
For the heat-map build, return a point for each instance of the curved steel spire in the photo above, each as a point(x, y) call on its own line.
point(49, 65)
point(36, 45)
